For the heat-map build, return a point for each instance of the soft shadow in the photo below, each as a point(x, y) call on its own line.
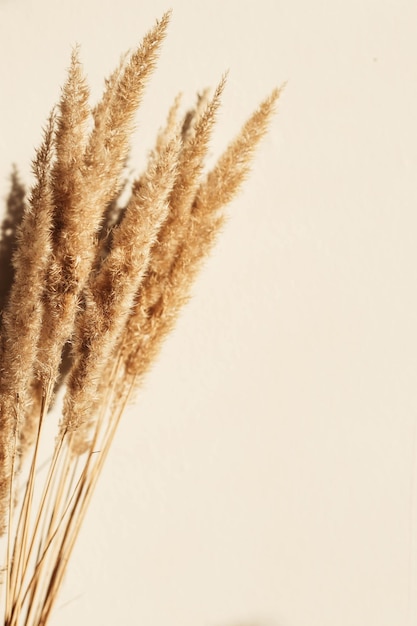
point(256, 622)
point(15, 204)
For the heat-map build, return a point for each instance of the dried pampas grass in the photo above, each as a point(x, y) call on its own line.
point(107, 280)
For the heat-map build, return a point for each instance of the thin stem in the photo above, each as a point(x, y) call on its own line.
point(22, 536)
point(47, 534)
point(83, 501)
point(9, 595)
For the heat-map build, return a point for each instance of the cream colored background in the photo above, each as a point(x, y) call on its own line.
point(268, 474)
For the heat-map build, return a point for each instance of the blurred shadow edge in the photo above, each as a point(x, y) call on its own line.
point(15, 204)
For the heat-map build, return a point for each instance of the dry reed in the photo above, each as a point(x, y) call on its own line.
point(106, 280)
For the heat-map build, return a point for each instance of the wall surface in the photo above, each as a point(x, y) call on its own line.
point(267, 475)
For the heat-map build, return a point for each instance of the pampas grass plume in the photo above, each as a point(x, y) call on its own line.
point(97, 286)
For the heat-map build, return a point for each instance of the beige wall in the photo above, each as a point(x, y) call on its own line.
point(268, 474)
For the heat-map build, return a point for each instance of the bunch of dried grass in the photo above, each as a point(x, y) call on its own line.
point(109, 282)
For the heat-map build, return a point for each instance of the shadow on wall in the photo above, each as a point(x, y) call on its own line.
point(254, 623)
point(15, 204)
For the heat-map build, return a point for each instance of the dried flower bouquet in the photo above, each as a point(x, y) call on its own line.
point(106, 280)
